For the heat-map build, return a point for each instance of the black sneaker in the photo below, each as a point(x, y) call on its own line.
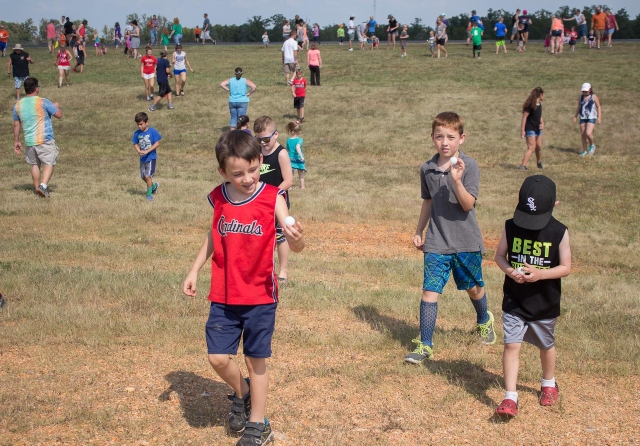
point(256, 434)
point(540, 166)
point(154, 189)
point(240, 411)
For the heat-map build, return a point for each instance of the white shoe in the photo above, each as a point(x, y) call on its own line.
point(350, 49)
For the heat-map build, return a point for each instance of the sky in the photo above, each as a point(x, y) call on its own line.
point(327, 12)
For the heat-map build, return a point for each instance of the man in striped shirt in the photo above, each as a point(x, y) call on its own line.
point(34, 114)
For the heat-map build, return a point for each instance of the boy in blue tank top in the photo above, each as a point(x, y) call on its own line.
point(534, 254)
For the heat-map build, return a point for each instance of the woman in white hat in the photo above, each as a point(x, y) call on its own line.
point(589, 112)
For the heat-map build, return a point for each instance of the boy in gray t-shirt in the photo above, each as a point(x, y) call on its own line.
point(449, 183)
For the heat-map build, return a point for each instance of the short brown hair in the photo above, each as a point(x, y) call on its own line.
point(448, 120)
point(262, 123)
point(141, 117)
point(236, 144)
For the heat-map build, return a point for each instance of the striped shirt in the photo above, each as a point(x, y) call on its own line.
point(34, 113)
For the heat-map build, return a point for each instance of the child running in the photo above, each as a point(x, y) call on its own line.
point(148, 64)
point(180, 64)
point(299, 92)
point(534, 254)
point(63, 58)
point(163, 73)
point(164, 38)
point(146, 141)
point(265, 40)
point(294, 148)
point(589, 112)
point(404, 36)
point(243, 290)
point(453, 241)
point(531, 127)
point(276, 171)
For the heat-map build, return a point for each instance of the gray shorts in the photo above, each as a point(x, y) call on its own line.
point(46, 153)
point(539, 333)
point(351, 35)
point(147, 169)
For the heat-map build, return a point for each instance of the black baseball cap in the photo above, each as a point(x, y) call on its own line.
point(535, 203)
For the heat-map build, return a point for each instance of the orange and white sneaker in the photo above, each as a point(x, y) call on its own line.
point(507, 408)
point(549, 395)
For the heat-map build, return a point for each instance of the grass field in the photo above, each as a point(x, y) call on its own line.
point(99, 346)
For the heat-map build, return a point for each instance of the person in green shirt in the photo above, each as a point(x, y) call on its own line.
point(176, 31)
point(341, 34)
point(476, 37)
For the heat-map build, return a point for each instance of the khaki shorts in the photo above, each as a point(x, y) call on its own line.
point(46, 153)
point(289, 68)
point(599, 34)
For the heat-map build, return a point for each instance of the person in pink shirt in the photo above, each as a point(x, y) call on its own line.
point(314, 61)
point(611, 25)
point(51, 36)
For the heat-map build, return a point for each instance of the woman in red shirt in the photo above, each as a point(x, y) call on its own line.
point(611, 24)
point(63, 62)
point(148, 64)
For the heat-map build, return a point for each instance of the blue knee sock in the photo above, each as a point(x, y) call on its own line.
point(428, 315)
point(481, 309)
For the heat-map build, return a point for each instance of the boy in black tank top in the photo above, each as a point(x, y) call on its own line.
point(275, 170)
point(534, 253)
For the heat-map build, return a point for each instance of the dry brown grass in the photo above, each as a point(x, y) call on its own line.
point(98, 345)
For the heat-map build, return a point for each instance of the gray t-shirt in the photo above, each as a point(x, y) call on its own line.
point(451, 229)
point(206, 24)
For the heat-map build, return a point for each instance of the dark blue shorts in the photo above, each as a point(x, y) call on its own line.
point(466, 267)
point(227, 323)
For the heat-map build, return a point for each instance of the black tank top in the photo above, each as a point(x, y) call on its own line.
point(270, 171)
point(537, 300)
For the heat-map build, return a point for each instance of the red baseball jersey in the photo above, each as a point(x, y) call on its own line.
point(244, 238)
point(300, 86)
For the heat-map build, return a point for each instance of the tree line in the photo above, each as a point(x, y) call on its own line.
point(28, 32)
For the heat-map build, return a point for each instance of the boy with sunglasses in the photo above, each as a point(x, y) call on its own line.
point(275, 170)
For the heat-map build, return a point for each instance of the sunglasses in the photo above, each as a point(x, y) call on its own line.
point(266, 139)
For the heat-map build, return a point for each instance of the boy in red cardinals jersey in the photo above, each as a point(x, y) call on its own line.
point(244, 287)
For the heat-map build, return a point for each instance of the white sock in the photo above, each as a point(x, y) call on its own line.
point(549, 382)
point(511, 396)
point(43, 185)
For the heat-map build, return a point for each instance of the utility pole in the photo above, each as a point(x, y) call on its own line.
point(374, 9)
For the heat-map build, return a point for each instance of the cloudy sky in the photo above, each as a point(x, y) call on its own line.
point(327, 12)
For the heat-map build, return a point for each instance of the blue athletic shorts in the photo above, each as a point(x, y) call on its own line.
point(466, 267)
point(177, 72)
point(530, 133)
point(3, 46)
point(227, 323)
